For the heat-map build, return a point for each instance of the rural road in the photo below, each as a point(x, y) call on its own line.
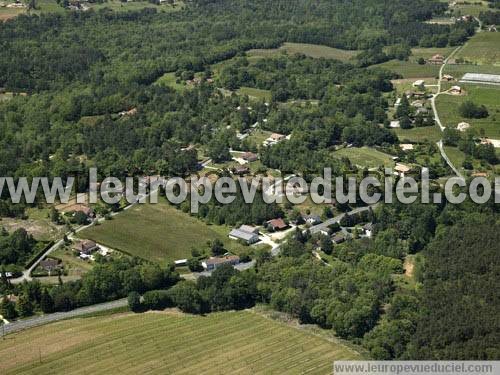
point(49, 318)
point(336, 219)
point(445, 157)
point(27, 273)
point(436, 115)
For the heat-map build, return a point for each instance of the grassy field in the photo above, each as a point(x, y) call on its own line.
point(365, 157)
point(311, 50)
point(136, 5)
point(419, 135)
point(411, 69)
point(448, 105)
point(8, 13)
point(158, 232)
point(469, 7)
point(170, 342)
point(482, 49)
point(408, 69)
point(406, 84)
point(458, 70)
point(170, 80)
point(257, 94)
point(38, 224)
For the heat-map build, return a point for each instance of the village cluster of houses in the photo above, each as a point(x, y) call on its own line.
point(250, 234)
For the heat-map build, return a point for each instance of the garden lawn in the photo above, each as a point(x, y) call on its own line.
point(419, 135)
point(311, 50)
point(365, 157)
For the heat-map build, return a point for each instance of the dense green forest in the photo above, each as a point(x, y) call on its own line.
point(81, 69)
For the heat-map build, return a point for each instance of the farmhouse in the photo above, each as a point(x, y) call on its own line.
point(180, 262)
point(416, 94)
point(245, 233)
point(85, 247)
point(249, 229)
point(250, 157)
point(368, 229)
point(312, 219)
point(418, 103)
point(82, 208)
point(395, 124)
point(455, 90)
point(212, 263)
point(406, 146)
point(400, 169)
point(422, 111)
point(241, 170)
point(418, 83)
point(50, 264)
point(130, 112)
point(463, 126)
point(436, 60)
point(448, 77)
point(277, 224)
point(241, 136)
point(338, 238)
point(274, 138)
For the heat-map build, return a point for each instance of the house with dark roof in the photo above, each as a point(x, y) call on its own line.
point(338, 238)
point(241, 170)
point(85, 247)
point(250, 157)
point(50, 264)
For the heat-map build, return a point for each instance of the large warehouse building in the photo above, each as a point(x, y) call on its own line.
point(487, 79)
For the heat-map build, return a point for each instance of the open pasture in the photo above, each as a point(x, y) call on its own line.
point(157, 232)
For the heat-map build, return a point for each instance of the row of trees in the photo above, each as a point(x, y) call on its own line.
point(108, 280)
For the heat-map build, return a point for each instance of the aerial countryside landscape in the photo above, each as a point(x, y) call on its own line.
point(249, 186)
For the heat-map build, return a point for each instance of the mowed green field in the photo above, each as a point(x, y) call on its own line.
point(311, 50)
point(365, 157)
point(158, 232)
point(170, 342)
point(170, 80)
point(254, 93)
point(411, 69)
point(470, 7)
point(419, 135)
point(483, 49)
point(448, 105)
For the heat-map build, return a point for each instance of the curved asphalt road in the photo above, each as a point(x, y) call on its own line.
point(436, 115)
